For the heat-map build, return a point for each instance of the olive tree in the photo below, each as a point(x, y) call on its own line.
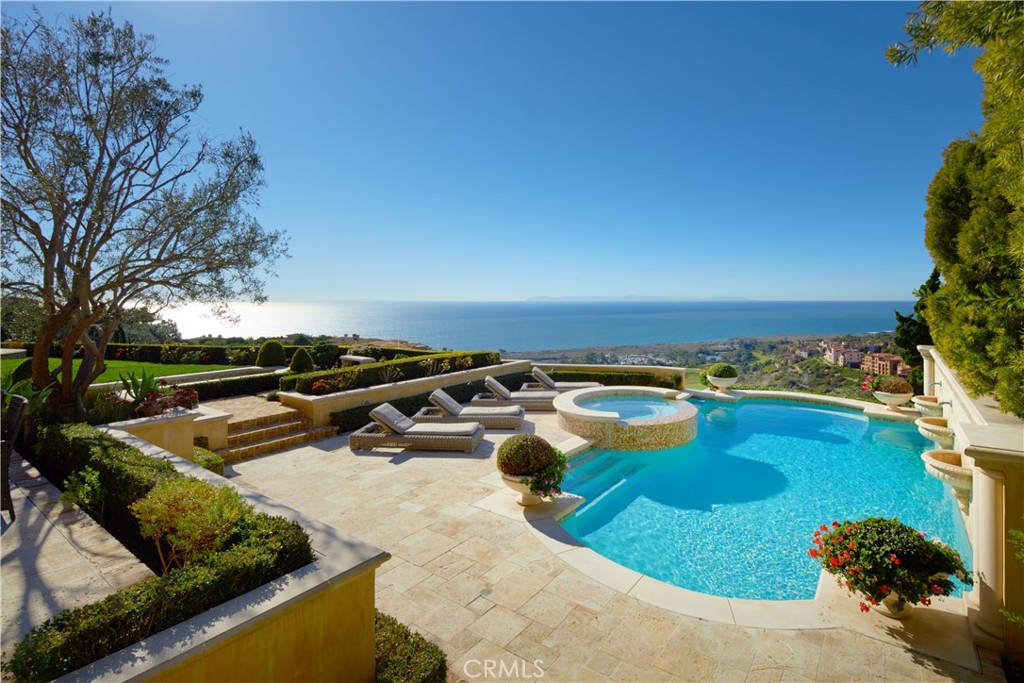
point(975, 218)
point(111, 196)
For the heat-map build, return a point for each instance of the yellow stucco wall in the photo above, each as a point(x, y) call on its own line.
point(326, 635)
point(173, 434)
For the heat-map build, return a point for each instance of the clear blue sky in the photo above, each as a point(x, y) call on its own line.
point(446, 151)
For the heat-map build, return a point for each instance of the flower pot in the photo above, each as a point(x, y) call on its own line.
point(722, 383)
point(893, 401)
point(527, 498)
point(888, 608)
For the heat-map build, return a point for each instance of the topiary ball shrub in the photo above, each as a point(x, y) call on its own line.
point(525, 454)
point(301, 362)
point(895, 385)
point(722, 370)
point(271, 355)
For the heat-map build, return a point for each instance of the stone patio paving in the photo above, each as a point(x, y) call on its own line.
point(504, 606)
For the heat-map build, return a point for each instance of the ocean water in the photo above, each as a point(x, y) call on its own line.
point(543, 325)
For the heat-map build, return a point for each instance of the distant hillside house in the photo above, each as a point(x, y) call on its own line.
point(884, 364)
point(841, 355)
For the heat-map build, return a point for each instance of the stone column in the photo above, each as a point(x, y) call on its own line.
point(929, 368)
point(989, 540)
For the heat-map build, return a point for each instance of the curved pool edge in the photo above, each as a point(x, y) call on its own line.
point(812, 614)
point(830, 608)
point(874, 411)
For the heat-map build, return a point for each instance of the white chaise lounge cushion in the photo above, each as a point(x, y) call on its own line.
point(443, 429)
point(497, 388)
point(543, 378)
point(445, 402)
point(391, 418)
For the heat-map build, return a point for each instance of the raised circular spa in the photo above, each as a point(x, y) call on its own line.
point(627, 418)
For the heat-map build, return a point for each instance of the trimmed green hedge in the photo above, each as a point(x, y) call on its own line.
point(236, 386)
point(204, 457)
point(639, 379)
point(368, 375)
point(354, 418)
point(404, 656)
point(262, 548)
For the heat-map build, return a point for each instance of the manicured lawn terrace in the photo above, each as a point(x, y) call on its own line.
point(116, 368)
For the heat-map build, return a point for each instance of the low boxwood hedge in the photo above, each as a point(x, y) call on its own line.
point(404, 656)
point(368, 375)
point(236, 386)
point(608, 378)
point(263, 548)
point(354, 418)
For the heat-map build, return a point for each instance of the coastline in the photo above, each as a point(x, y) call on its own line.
point(668, 348)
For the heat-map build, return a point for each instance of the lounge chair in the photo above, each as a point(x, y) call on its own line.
point(548, 384)
point(447, 409)
point(390, 428)
point(500, 396)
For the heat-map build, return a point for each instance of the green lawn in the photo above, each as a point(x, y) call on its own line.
point(115, 368)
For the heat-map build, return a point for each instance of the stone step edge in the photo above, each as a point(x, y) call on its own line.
point(241, 425)
point(255, 434)
point(268, 446)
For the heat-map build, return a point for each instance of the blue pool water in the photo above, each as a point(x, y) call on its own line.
point(732, 512)
point(631, 407)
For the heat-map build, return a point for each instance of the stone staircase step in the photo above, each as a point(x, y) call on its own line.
point(263, 432)
point(241, 425)
point(276, 443)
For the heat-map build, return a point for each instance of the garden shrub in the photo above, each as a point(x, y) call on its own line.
point(206, 458)
point(524, 454)
point(608, 378)
point(301, 362)
point(368, 350)
point(325, 355)
point(79, 636)
point(271, 355)
point(895, 385)
point(369, 375)
point(405, 656)
point(242, 355)
point(722, 370)
point(256, 550)
point(236, 386)
point(187, 518)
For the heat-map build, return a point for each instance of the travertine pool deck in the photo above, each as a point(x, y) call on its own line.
point(507, 602)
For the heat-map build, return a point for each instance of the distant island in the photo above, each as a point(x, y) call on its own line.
point(633, 297)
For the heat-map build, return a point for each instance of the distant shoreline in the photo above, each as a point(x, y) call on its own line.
point(653, 349)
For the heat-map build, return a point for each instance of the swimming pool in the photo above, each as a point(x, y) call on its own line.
point(732, 512)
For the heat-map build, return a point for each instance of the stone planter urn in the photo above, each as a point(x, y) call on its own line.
point(947, 466)
point(527, 498)
point(722, 383)
point(892, 401)
point(887, 608)
point(928, 405)
point(937, 429)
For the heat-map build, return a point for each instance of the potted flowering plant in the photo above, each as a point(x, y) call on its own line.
point(892, 391)
point(887, 562)
point(532, 467)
